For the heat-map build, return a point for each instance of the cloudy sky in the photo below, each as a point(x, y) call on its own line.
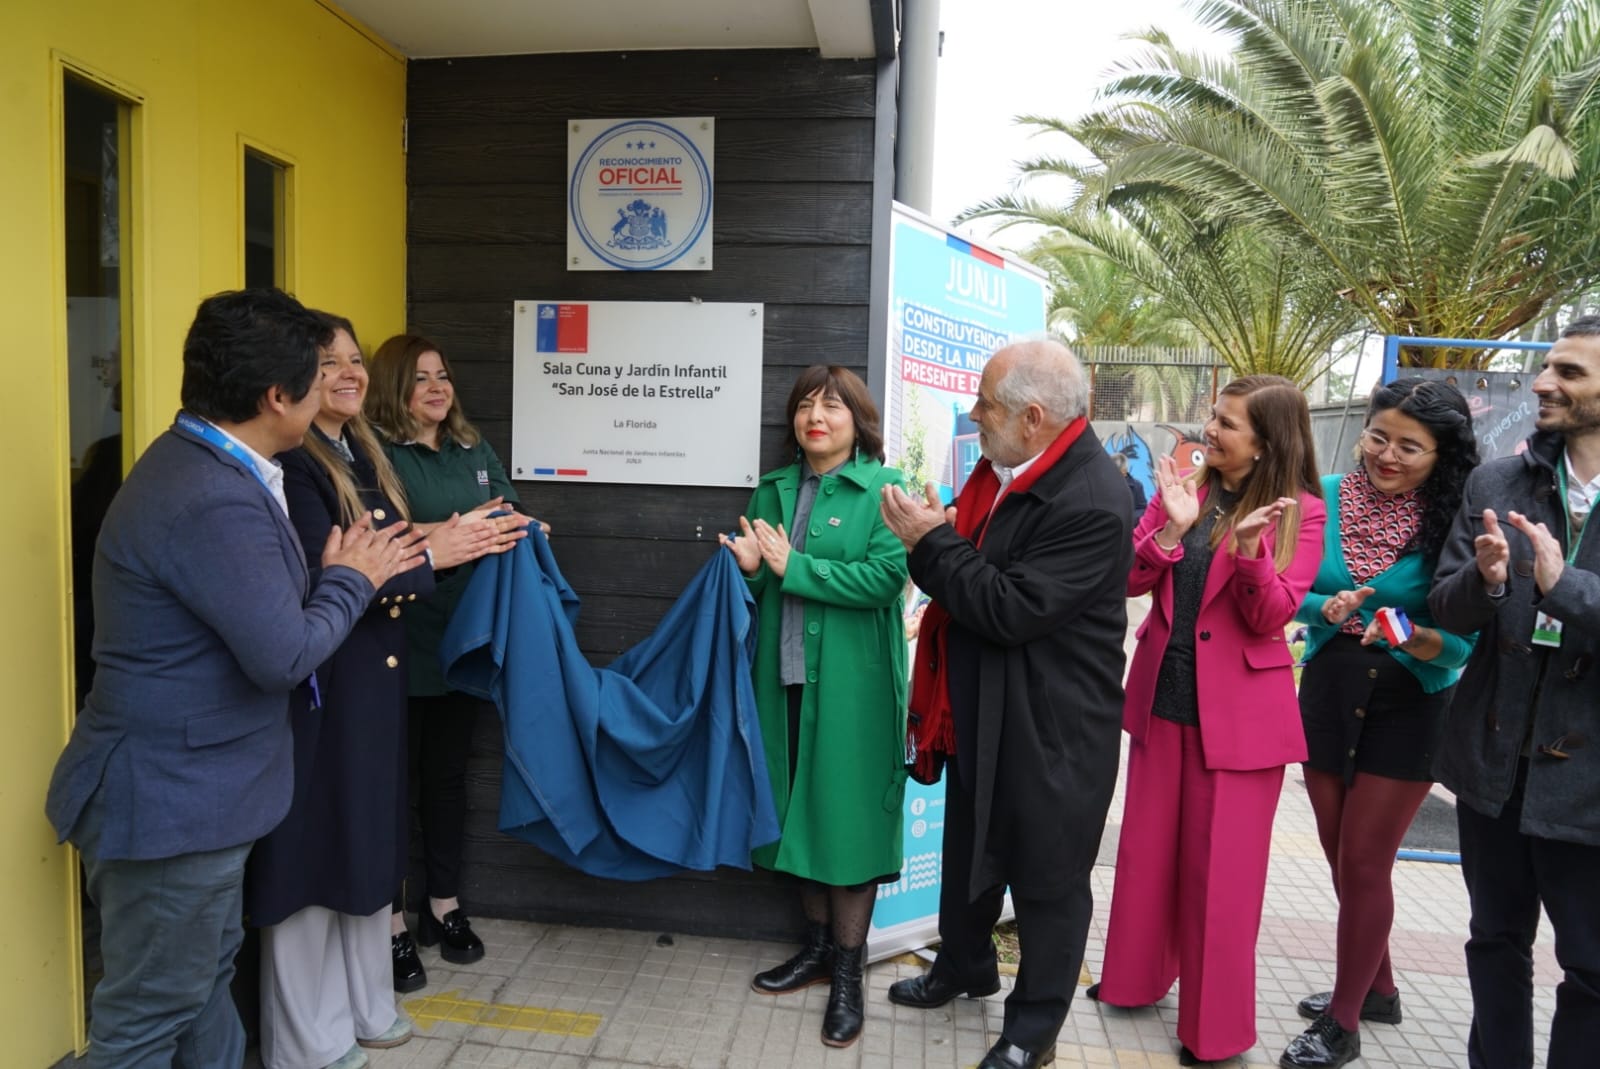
point(1008, 57)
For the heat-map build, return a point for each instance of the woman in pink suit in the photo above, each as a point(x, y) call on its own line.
point(1229, 553)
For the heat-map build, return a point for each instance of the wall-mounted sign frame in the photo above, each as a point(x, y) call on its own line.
point(636, 392)
point(639, 194)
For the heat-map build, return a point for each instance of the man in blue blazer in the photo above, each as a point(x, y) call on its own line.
point(205, 622)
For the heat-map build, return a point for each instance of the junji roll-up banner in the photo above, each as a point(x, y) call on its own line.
point(952, 304)
point(639, 194)
point(636, 392)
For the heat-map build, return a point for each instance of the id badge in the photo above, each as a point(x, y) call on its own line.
point(1546, 630)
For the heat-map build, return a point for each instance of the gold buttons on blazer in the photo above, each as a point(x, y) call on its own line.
point(392, 661)
point(394, 612)
point(379, 514)
point(383, 601)
point(409, 597)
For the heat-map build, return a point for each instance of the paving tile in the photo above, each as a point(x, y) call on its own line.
point(688, 1005)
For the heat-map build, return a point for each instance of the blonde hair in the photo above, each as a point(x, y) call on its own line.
point(393, 370)
point(365, 441)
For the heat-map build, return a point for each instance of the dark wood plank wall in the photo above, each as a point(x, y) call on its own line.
point(487, 171)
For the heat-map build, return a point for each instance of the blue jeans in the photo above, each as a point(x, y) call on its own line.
point(170, 928)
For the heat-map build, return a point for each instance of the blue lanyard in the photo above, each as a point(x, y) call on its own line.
point(206, 432)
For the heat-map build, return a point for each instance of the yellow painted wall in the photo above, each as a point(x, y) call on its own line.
point(298, 80)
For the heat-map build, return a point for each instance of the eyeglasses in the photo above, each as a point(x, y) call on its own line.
point(1376, 443)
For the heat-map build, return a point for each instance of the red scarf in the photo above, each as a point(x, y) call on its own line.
point(930, 729)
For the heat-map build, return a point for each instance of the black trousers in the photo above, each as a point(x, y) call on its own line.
point(1051, 933)
point(440, 729)
point(1508, 876)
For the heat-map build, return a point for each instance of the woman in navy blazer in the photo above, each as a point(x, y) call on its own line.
point(320, 883)
point(1229, 554)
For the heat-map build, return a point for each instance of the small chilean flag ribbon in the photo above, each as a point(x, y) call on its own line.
point(1397, 629)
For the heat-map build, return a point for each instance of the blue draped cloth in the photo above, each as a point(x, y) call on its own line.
point(647, 767)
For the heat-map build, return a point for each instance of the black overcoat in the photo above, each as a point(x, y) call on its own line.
point(1038, 615)
point(343, 844)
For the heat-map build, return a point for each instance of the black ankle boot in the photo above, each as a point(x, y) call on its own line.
point(813, 965)
point(841, 1024)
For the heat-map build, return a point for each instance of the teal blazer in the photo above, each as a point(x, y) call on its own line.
point(1404, 584)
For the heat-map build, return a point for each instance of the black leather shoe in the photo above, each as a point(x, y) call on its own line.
point(928, 992)
point(1092, 993)
point(457, 943)
point(1186, 1056)
point(409, 974)
point(1385, 1009)
point(1007, 1055)
point(841, 1023)
point(813, 965)
point(1325, 1045)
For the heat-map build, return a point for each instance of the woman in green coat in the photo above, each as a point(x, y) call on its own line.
point(830, 679)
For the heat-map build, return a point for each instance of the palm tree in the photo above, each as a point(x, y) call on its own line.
point(1094, 302)
point(1098, 306)
point(1253, 297)
point(1436, 159)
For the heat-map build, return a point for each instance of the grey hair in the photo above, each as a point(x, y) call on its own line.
point(1044, 372)
point(1585, 326)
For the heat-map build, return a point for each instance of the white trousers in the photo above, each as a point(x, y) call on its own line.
point(326, 979)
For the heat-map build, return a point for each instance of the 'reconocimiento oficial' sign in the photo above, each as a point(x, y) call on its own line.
point(639, 194)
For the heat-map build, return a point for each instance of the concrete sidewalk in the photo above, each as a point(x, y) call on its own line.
point(595, 998)
point(602, 999)
point(583, 998)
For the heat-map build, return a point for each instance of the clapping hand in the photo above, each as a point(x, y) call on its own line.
point(1181, 500)
point(1548, 560)
point(1248, 531)
point(1179, 496)
point(461, 539)
point(909, 518)
point(1492, 550)
point(498, 504)
point(1337, 609)
point(774, 546)
point(744, 549)
point(380, 555)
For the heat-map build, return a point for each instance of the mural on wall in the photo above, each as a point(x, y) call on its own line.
point(1140, 443)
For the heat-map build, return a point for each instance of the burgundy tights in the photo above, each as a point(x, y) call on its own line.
point(1361, 827)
